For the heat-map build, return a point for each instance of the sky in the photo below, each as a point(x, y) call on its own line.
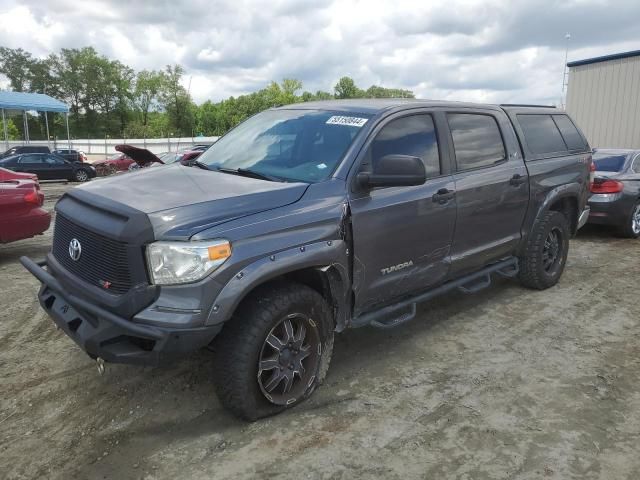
point(485, 51)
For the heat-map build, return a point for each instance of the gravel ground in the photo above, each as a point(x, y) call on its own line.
point(507, 383)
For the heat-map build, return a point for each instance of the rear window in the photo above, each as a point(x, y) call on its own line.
point(569, 132)
point(608, 162)
point(541, 134)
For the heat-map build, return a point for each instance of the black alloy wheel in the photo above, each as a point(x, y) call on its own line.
point(289, 359)
point(553, 251)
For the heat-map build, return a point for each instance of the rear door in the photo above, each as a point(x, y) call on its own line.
point(491, 185)
point(34, 163)
point(402, 235)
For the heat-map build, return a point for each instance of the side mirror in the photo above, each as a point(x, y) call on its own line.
point(394, 171)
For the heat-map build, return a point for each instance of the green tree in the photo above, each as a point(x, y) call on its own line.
point(16, 65)
point(147, 91)
point(346, 88)
point(176, 101)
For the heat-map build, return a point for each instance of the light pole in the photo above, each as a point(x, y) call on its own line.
point(564, 72)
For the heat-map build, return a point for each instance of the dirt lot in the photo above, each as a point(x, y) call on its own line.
point(508, 383)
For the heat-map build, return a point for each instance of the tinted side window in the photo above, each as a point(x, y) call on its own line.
point(414, 135)
point(569, 133)
point(32, 159)
point(53, 160)
point(541, 134)
point(476, 140)
point(636, 164)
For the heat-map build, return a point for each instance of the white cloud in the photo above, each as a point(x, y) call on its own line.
point(491, 50)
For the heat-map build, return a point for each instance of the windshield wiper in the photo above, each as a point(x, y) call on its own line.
point(201, 165)
point(262, 176)
point(245, 172)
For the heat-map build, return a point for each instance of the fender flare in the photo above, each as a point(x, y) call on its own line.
point(330, 254)
point(570, 190)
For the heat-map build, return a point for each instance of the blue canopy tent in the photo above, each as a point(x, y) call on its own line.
point(31, 101)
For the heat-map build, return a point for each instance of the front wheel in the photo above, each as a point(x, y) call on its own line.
point(632, 227)
point(275, 351)
point(546, 252)
point(81, 175)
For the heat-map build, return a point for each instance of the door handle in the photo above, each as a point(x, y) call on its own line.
point(443, 195)
point(517, 180)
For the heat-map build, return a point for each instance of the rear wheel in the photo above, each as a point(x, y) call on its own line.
point(81, 175)
point(631, 229)
point(275, 351)
point(546, 252)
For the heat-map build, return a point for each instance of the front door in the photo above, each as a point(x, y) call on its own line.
point(402, 235)
point(59, 168)
point(492, 189)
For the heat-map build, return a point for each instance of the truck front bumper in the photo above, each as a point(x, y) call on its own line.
point(103, 334)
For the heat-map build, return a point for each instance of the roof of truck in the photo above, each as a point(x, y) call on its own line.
point(377, 105)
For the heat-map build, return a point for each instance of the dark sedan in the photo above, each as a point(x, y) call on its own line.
point(48, 166)
point(615, 198)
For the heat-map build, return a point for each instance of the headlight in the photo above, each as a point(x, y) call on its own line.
point(183, 262)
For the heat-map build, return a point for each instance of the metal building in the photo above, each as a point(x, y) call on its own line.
point(603, 97)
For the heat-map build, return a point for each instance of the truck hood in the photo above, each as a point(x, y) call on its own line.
point(182, 201)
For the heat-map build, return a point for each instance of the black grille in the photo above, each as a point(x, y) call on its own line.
point(102, 259)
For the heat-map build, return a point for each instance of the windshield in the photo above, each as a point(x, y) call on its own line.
point(169, 157)
point(292, 145)
point(605, 162)
point(114, 156)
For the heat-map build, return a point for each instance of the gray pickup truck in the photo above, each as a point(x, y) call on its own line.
point(308, 219)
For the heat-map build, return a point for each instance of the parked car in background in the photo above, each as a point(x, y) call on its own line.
point(48, 166)
point(185, 157)
point(141, 157)
point(264, 251)
point(201, 146)
point(71, 155)
point(25, 149)
point(615, 198)
point(21, 212)
point(117, 162)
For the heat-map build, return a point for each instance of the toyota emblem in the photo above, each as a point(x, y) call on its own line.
point(75, 249)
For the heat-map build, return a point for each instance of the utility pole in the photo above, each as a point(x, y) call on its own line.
point(565, 81)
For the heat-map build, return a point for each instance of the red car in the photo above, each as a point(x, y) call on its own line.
point(118, 162)
point(144, 158)
point(21, 212)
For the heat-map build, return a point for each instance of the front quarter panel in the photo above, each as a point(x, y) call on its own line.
point(308, 233)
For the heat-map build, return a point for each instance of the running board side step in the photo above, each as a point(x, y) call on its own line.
point(389, 317)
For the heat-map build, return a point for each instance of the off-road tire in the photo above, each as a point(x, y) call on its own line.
point(238, 347)
point(532, 271)
point(626, 231)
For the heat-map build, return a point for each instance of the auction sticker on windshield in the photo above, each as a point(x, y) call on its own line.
point(349, 121)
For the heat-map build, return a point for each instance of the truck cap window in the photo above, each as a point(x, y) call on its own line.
point(541, 134)
point(414, 135)
point(569, 133)
point(476, 140)
point(292, 145)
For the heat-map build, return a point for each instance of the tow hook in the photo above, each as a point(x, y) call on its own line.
point(100, 365)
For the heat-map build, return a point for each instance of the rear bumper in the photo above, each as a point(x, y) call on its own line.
point(608, 209)
point(103, 334)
